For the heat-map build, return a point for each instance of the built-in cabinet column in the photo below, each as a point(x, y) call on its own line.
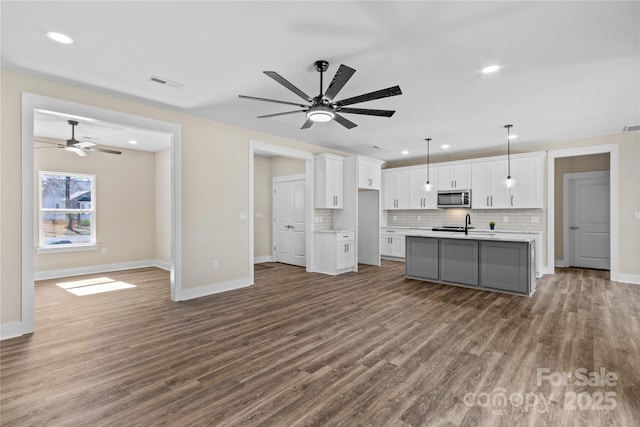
point(328, 181)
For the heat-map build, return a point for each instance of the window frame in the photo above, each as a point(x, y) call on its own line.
point(92, 244)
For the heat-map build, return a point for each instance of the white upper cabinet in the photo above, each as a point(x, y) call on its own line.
point(456, 177)
point(396, 189)
point(528, 191)
point(329, 181)
point(369, 174)
point(419, 198)
point(487, 191)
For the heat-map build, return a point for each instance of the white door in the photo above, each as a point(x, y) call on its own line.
point(289, 224)
point(589, 220)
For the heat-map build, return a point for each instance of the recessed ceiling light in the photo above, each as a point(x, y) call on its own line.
point(405, 152)
point(512, 136)
point(60, 38)
point(133, 142)
point(445, 146)
point(490, 69)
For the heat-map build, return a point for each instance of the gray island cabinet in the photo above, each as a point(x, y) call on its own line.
point(482, 262)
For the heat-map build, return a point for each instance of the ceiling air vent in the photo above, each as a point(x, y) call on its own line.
point(166, 82)
point(631, 128)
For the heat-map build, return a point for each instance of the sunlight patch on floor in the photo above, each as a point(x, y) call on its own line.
point(94, 286)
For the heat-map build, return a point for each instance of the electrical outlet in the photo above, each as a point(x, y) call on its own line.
point(105, 250)
point(259, 215)
point(215, 263)
point(243, 216)
point(535, 220)
point(395, 218)
point(636, 215)
point(505, 219)
point(419, 218)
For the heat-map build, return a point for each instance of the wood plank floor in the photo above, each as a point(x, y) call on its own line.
point(368, 348)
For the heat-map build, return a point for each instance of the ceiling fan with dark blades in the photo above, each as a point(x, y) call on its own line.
point(78, 147)
point(323, 108)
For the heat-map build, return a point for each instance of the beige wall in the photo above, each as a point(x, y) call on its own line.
point(124, 201)
point(264, 170)
point(215, 185)
point(163, 206)
point(591, 163)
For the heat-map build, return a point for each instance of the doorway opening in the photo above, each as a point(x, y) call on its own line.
point(31, 105)
point(266, 162)
point(601, 158)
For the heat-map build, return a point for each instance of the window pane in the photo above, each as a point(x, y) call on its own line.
point(66, 228)
point(65, 192)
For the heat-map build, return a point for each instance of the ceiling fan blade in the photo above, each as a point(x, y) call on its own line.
point(341, 78)
point(103, 150)
point(344, 121)
point(307, 124)
point(271, 100)
point(382, 93)
point(382, 113)
point(286, 83)
point(48, 142)
point(280, 114)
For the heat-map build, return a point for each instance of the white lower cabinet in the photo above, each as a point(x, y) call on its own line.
point(392, 244)
point(335, 251)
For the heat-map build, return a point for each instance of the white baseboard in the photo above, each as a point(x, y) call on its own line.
point(547, 270)
point(259, 259)
point(214, 288)
point(561, 263)
point(55, 274)
point(628, 278)
point(10, 330)
point(162, 264)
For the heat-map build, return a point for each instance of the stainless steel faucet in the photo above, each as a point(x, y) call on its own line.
point(467, 222)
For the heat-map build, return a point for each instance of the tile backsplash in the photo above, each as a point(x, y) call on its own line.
point(323, 219)
point(518, 219)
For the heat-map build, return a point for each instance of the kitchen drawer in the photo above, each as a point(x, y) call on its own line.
point(345, 236)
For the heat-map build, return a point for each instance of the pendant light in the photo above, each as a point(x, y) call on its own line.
point(509, 182)
point(427, 186)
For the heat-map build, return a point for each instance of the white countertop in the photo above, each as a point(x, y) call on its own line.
point(471, 230)
point(334, 231)
point(474, 235)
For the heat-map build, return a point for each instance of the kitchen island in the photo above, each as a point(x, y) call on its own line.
point(499, 262)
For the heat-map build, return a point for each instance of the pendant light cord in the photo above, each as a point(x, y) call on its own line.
point(508, 151)
point(428, 140)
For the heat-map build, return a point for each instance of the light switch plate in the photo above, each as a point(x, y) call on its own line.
point(243, 216)
point(505, 219)
point(535, 219)
point(636, 215)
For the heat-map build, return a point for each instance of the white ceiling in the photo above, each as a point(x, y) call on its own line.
point(55, 125)
point(570, 69)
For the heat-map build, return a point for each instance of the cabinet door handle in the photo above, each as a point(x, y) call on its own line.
point(452, 184)
point(347, 247)
point(491, 200)
point(487, 200)
point(512, 200)
point(574, 227)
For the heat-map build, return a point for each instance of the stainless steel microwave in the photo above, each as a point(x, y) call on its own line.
point(454, 199)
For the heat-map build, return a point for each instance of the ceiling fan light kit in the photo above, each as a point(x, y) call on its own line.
point(323, 108)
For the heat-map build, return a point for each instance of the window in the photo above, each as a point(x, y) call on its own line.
point(67, 210)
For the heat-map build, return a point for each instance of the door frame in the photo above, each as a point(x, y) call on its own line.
point(612, 149)
point(258, 147)
point(275, 180)
point(32, 101)
point(566, 258)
